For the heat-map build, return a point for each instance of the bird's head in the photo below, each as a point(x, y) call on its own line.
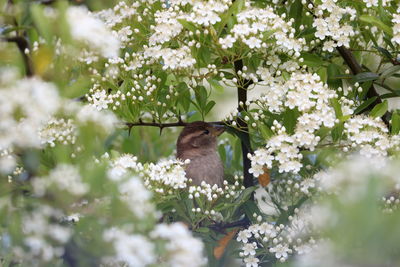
point(198, 138)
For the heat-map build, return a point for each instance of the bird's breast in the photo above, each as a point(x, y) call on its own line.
point(206, 168)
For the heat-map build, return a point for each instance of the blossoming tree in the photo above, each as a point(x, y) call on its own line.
point(92, 97)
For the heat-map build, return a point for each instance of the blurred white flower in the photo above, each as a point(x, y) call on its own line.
point(92, 31)
point(25, 106)
point(182, 248)
point(104, 119)
point(65, 177)
point(135, 250)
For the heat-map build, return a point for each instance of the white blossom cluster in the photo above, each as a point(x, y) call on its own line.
point(122, 165)
point(350, 182)
point(167, 27)
point(166, 175)
point(130, 249)
point(396, 27)
point(282, 241)
point(25, 107)
point(103, 119)
point(331, 25)
point(120, 12)
point(137, 197)
point(351, 187)
point(174, 59)
point(8, 161)
point(65, 177)
point(206, 13)
point(91, 31)
point(391, 203)
point(125, 171)
point(375, 3)
point(254, 27)
point(43, 236)
point(368, 134)
point(58, 131)
point(182, 248)
point(307, 94)
point(208, 195)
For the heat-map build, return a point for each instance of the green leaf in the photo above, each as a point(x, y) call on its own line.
point(333, 72)
point(380, 109)
point(204, 55)
point(365, 77)
point(337, 107)
point(296, 10)
point(395, 126)
point(312, 60)
point(376, 22)
point(234, 9)
point(365, 104)
point(322, 72)
point(245, 195)
point(384, 52)
point(209, 106)
point(249, 208)
point(216, 85)
point(390, 71)
point(187, 25)
point(365, 86)
point(41, 22)
point(290, 119)
point(337, 132)
point(266, 132)
point(201, 96)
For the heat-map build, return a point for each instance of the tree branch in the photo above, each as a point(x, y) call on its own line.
point(161, 125)
point(22, 45)
point(242, 86)
point(220, 227)
point(356, 68)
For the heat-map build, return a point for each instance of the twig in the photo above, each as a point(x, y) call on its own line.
point(161, 125)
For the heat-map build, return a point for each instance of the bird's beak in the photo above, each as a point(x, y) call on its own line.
point(217, 130)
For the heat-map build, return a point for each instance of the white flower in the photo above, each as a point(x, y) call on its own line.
point(227, 42)
point(182, 248)
point(281, 251)
point(167, 27)
point(243, 236)
point(251, 261)
point(132, 249)
point(103, 119)
point(65, 177)
point(58, 130)
point(92, 31)
point(137, 197)
point(249, 249)
point(253, 42)
point(25, 106)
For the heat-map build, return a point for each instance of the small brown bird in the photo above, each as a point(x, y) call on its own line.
point(198, 142)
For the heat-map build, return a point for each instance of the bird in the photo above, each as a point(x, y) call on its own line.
point(198, 143)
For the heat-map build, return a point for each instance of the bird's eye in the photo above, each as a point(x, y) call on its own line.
point(206, 132)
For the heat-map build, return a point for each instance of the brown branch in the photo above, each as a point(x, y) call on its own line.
point(22, 45)
point(169, 124)
point(156, 124)
point(356, 68)
point(242, 86)
point(220, 227)
point(161, 125)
